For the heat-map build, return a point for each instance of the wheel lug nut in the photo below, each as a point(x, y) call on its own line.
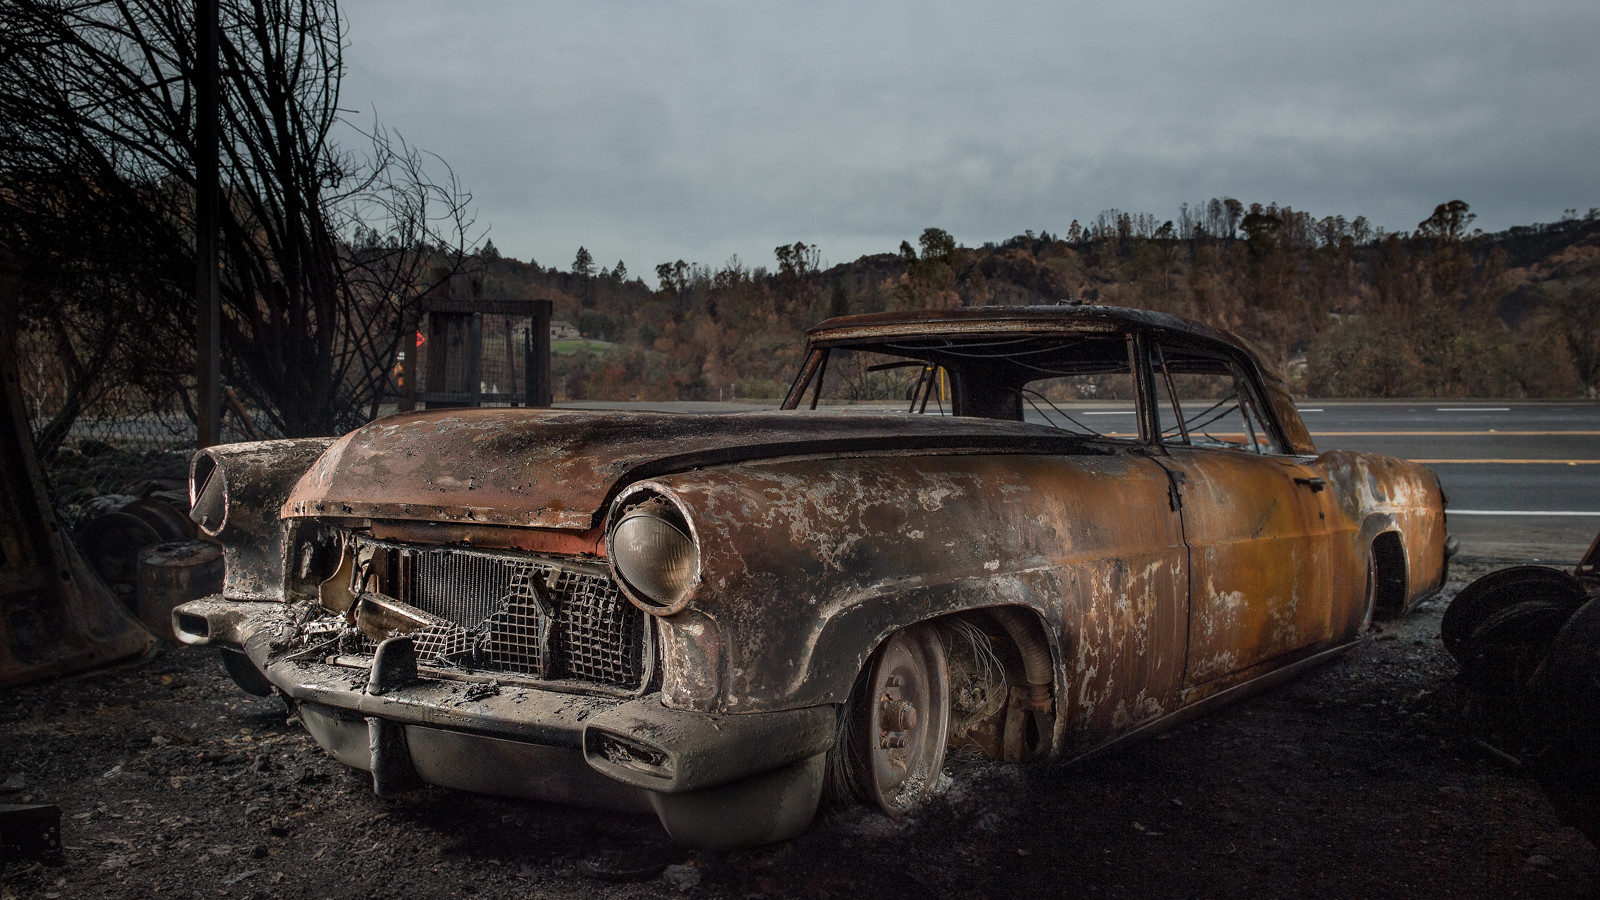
point(896, 715)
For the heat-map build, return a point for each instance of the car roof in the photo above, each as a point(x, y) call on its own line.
point(1063, 319)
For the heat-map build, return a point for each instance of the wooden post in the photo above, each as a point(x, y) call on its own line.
point(475, 359)
point(511, 369)
point(537, 359)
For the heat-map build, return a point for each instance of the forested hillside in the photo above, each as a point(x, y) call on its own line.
point(1342, 309)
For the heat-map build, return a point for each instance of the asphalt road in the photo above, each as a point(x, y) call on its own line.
point(1523, 478)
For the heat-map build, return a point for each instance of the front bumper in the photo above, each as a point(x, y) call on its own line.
point(698, 771)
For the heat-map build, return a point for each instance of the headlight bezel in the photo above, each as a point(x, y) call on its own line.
point(648, 500)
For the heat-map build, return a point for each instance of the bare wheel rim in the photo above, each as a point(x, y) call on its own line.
point(1372, 590)
point(908, 719)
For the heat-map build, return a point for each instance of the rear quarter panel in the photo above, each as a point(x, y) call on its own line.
point(1380, 494)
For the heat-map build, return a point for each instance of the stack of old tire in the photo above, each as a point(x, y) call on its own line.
point(1530, 636)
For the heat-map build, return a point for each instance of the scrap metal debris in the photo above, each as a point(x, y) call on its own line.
point(481, 689)
point(29, 831)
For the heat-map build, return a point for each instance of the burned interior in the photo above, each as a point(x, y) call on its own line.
point(1030, 532)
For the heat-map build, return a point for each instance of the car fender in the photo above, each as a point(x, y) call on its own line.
point(236, 491)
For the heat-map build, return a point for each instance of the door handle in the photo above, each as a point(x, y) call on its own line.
point(1316, 484)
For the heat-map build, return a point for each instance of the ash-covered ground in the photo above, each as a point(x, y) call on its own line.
point(1372, 777)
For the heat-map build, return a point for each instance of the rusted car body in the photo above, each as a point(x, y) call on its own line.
point(1030, 531)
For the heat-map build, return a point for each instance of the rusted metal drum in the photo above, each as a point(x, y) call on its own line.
point(171, 573)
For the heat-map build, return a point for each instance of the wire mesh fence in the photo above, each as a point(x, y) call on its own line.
point(64, 411)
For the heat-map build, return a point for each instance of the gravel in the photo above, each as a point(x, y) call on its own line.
point(1375, 776)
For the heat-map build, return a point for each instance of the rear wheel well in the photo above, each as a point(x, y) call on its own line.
point(1388, 559)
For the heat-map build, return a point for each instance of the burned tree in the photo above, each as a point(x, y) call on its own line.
point(322, 249)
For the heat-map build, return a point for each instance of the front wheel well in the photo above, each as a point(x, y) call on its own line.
point(995, 675)
point(1388, 558)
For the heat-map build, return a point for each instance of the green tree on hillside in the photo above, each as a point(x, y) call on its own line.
point(583, 263)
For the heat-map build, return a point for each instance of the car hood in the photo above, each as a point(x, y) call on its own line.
point(559, 468)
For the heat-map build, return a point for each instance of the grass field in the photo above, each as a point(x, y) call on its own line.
point(575, 346)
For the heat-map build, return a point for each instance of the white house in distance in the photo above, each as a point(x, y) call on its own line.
point(563, 331)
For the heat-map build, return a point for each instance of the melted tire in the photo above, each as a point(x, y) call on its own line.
point(244, 672)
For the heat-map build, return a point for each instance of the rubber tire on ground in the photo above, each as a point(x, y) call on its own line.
point(1498, 590)
point(908, 668)
point(1566, 694)
point(1507, 647)
point(1567, 685)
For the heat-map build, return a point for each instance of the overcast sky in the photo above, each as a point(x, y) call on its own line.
point(652, 131)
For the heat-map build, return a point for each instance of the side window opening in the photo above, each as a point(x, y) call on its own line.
point(1102, 403)
point(881, 382)
point(1206, 401)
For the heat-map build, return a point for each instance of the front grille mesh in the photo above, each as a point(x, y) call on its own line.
point(521, 615)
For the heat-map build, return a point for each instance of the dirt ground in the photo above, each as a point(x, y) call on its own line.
point(1368, 778)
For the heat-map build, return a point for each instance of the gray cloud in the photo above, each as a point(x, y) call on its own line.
point(694, 130)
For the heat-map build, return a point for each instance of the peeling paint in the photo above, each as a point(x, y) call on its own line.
point(1157, 575)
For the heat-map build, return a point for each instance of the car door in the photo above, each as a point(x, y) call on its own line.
point(1255, 519)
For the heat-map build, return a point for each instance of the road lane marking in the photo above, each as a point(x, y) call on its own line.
point(1473, 409)
point(1508, 462)
point(1517, 512)
point(1113, 412)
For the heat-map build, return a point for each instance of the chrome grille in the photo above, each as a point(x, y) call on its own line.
point(523, 615)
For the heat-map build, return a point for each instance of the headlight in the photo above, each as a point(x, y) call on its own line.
point(653, 553)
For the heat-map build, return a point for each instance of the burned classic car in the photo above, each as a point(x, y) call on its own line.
point(1021, 532)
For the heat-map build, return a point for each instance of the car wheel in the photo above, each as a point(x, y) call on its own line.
point(899, 721)
point(1496, 591)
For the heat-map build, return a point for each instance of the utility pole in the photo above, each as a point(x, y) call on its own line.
point(207, 303)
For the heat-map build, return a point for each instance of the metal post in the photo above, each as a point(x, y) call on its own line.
point(208, 306)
